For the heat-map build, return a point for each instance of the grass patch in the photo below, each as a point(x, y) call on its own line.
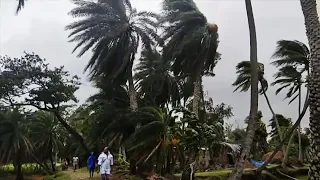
point(302, 177)
point(58, 176)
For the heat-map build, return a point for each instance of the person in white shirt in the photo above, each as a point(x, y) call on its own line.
point(75, 162)
point(105, 161)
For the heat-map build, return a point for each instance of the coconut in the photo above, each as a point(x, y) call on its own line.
point(212, 27)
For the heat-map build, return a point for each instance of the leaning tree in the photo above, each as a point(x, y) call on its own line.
point(113, 30)
point(190, 43)
point(30, 81)
point(292, 59)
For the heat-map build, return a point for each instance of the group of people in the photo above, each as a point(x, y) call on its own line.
point(104, 164)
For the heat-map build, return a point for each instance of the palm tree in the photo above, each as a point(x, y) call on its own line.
point(113, 30)
point(14, 139)
point(312, 24)
point(158, 137)
point(293, 60)
point(243, 83)
point(48, 135)
point(190, 43)
point(239, 166)
point(289, 77)
point(155, 82)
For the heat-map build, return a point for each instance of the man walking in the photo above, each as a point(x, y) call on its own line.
point(105, 161)
point(91, 164)
point(75, 162)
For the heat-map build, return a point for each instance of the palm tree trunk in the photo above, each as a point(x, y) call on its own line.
point(132, 93)
point(197, 93)
point(312, 24)
point(53, 166)
point(19, 165)
point(275, 118)
point(299, 128)
point(133, 107)
point(286, 155)
point(239, 166)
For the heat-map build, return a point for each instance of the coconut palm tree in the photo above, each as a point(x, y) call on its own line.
point(113, 30)
point(312, 24)
point(243, 83)
point(289, 77)
point(190, 43)
point(155, 82)
point(293, 61)
point(239, 166)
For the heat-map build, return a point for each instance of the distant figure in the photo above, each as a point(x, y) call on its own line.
point(91, 164)
point(105, 161)
point(75, 162)
point(68, 160)
point(65, 165)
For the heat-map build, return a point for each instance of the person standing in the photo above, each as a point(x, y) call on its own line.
point(91, 164)
point(105, 161)
point(75, 162)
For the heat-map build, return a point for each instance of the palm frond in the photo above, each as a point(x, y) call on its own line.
point(288, 77)
point(294, 53)
point(112, 29)
point(243, 81)
point(21, 4)
point(188, 42)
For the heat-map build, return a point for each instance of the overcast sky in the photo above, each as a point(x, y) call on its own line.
point(40, 26)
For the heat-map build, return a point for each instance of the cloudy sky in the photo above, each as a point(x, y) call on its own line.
point(40, 26)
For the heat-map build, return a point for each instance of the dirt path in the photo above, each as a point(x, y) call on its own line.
point(81, 174)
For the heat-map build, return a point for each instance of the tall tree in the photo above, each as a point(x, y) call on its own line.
point(312, 24)
point(293, 61)
point(113, 30)
point(190, 43)
point(45, 88)
point(239, 166)
point(243, 83)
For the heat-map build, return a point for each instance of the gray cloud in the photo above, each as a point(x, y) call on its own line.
point(40, 26)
